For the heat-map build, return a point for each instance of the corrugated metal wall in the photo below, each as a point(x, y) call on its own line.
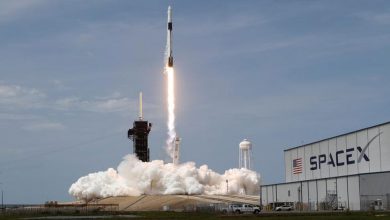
point(355, 186)
point(377, 153)
point(374, 187)
point(356, 192)
point(313, 195)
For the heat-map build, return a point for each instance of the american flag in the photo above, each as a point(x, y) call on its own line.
point(297, 166)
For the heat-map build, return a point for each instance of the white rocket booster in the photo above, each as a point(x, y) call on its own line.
point(170, 57)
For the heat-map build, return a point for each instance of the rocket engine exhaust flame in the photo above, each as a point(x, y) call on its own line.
point(170, 73)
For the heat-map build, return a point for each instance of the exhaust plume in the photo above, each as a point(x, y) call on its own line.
point(170, 73)
point(134, 177)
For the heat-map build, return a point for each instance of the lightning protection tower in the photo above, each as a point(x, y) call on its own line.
point(139, 135)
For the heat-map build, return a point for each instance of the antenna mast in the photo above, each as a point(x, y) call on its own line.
point(140, 107)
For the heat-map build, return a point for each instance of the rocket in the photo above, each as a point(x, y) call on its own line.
point(170, 57)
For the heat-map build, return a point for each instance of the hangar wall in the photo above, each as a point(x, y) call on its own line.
point(375, 187)
point(349, 171)
point(321, 194)
point(362, 151)
point(355, 192)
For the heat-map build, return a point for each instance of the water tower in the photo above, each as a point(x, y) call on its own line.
point(245, 154)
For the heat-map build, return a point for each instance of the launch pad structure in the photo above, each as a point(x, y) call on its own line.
point(139, 135)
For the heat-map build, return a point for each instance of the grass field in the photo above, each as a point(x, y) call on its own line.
point(292, 216)
point(209, 216)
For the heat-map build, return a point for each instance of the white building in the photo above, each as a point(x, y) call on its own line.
point(349, 171)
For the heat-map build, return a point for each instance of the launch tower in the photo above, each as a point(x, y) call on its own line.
point(139, 135)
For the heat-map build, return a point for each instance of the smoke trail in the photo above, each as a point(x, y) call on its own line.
point(170, 73)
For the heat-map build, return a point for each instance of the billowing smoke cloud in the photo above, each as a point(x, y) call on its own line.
point(134, 177)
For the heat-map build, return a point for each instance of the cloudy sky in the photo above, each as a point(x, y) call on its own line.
point(280, 73)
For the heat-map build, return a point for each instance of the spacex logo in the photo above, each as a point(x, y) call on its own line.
point(341, 157)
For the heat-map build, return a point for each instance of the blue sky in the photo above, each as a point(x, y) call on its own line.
point(280, 73)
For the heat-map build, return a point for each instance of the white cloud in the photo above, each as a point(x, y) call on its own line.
point(112, 104)
point(14, 116)
point(44, 126)
point(66, 103)
point(59, 85)
point(15, 96)
point(13, 91)
point(112, 95)
point(116, 104)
